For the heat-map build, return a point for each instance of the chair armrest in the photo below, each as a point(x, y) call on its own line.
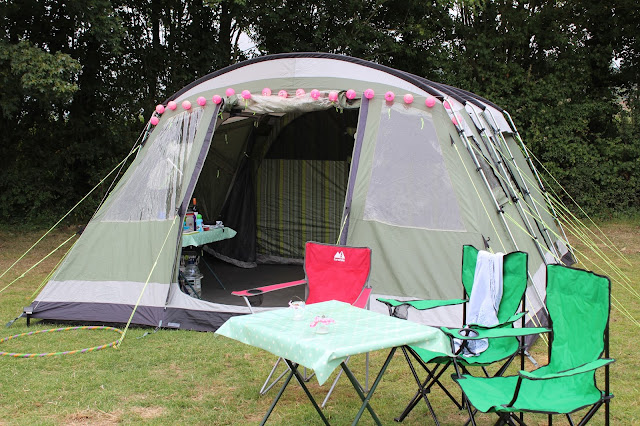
point(510, 321)
point(267, 288)
point(482, 333)
point(422, 304)
point(585, 368)
point(363, 299)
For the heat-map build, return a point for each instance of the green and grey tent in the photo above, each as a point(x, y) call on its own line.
point(337, 150)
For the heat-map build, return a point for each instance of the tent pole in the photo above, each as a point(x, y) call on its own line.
point(501, 141)
point(500, 211)
point(496, 157)
point(479, 169)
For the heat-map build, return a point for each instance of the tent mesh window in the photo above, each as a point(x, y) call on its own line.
point(153, 190)
point(410, 185)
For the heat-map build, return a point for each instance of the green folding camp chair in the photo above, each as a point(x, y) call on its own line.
point(503, 349)
point(578, 302)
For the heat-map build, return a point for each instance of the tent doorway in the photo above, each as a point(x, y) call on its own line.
point(279, 180)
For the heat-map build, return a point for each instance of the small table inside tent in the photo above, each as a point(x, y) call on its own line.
point(197, 239)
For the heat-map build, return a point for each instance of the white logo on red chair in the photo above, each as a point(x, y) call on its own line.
point(339, 256)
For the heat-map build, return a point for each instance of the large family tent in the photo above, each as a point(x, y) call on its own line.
point(302, 147)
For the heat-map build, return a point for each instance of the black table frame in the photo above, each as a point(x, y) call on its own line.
point(365, 397)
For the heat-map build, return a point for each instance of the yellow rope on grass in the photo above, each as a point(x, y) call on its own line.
point(37, 263)
point(155, 263)
point(554, 200)
point(574, 229)
point(66, 214)
point(613, 247)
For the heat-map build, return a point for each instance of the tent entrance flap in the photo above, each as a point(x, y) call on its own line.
point(279, 180)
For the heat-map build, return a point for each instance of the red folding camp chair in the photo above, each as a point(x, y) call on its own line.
point(332, 272)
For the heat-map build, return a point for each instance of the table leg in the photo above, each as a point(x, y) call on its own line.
point(294, 372)
point(367, 398)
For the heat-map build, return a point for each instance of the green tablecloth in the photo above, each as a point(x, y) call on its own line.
point(206, 237)
point(355, 331)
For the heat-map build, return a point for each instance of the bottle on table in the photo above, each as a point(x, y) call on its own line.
point(199, 222)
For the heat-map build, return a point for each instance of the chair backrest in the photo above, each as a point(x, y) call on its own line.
point(514, 278)
point(578, 302)
point(336, 272)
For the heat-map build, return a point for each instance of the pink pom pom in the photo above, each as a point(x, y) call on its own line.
point(229, 92)
point(389, 96)
point(154, 120)
point(172, 105)
point(408, 98)
point(430, 102)
point(246, 94)
point(300, 93)
point(186, 105)
point(160, 109)
point(333, 96)
point(446, 105)
point(216, 99)
point(201, 101)
point(266, 92)
point(315, 94)
point(456, 119)
point(283, 94)
point(351, 94)
point(369, 93)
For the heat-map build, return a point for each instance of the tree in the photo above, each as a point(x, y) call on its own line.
point(409, 34)
point(550, 65)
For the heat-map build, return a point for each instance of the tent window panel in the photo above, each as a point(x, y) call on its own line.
point(410, 185)
point(299, 201)
point(153, 192)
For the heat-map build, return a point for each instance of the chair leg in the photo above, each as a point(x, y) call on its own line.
point(435, 376)
point(592, 411)
point(424, 387)
point(266, 386)
point(470, 411)
point(335, 382)
point(333, 385)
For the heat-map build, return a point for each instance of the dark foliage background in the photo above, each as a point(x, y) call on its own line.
point(79, 79)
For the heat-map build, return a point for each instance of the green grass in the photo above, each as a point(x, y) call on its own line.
point(183, 377)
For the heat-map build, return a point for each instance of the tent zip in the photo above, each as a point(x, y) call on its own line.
point(353, 172)
point(182, 210)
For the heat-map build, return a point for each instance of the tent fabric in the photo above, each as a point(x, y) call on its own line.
point(398, 178)
point(300, 200)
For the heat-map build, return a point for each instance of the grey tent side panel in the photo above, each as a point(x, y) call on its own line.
point(192, 319)
point(99, 312)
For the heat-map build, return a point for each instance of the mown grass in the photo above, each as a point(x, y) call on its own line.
point(182, 377)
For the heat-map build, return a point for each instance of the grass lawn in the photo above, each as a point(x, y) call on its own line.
point(183, 377)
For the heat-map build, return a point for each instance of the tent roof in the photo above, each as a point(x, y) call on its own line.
point(315, 65)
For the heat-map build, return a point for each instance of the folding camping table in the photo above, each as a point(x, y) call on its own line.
point(199, 239)
point(355, 331)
